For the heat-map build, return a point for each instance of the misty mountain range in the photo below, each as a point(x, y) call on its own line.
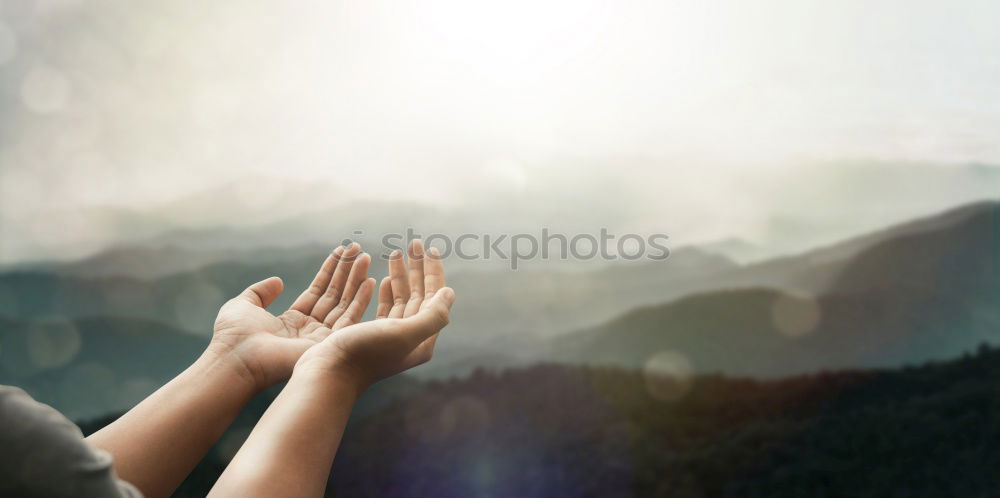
point(256, 213)
point(919, 290)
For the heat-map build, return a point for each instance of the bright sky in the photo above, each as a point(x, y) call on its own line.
point(674, 104)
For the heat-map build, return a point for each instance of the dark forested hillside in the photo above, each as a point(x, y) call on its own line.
point(581, 431)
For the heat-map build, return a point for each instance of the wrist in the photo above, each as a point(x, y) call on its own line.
point(222, 360)
point(326, 372)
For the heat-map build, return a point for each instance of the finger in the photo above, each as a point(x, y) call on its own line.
point(431, 318)
point(384, 298)
point(358, 276)
point(447, 297)
point(331, 296)
point(433, 273)
point(359, 304)
point(416, 278)
point(305, 302)
point(263, 293)
point(399, 286)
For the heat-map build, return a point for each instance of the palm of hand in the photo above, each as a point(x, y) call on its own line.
point(269, 345)
point(266, 343)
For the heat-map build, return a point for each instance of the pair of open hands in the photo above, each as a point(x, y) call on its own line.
point(323, 328)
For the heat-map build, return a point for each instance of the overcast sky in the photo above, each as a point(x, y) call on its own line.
point(677, 108)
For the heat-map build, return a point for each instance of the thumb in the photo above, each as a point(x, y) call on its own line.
point(263, 293)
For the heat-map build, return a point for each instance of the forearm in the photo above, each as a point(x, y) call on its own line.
point(290, 451)
point(157, 443)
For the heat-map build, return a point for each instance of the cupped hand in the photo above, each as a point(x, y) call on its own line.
point(413, 307)
point(268, 346)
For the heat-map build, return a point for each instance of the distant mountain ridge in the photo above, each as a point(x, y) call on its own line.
point(86, 366)
point(931, 291)
point(154, 262)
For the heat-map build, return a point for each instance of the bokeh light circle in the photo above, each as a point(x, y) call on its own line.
point(53, 344)
point(795, 315)
point(668, 375)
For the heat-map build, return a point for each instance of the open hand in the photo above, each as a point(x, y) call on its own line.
point(413, 306)
point(267, 345)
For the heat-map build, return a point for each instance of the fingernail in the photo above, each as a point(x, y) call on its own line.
point(434, 252)
point(395, 254)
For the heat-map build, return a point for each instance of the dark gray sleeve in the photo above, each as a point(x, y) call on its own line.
point(42, 453)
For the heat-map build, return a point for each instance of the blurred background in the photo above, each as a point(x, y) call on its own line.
point(828, 173)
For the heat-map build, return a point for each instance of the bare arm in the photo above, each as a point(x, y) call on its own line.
point(290, 451)
point(156, 444)
point(292, 447)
